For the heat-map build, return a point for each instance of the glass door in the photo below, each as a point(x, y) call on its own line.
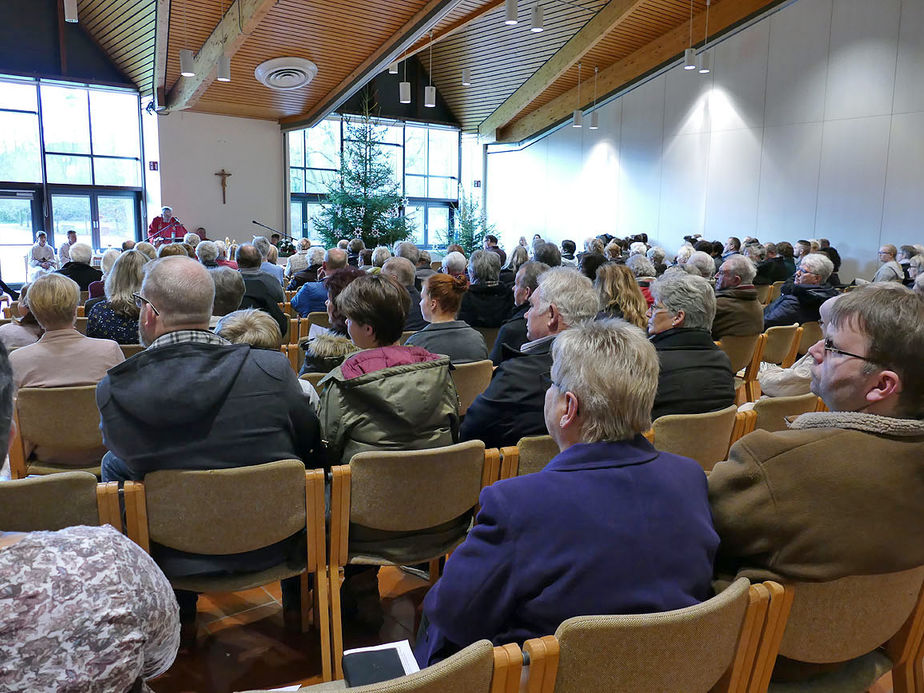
point(116, 219)
point(72, 213)
point(101, 219)
point(17, 222)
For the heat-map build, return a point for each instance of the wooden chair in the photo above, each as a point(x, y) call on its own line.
point(847, 620)
point(63, 423)
point(319, 318)
point(129, 350)
point(286, 309)
point(314, 379)
point(298, 329)
point(706, 647)
point(290, 295)
point(741, 351)
point(704, 437)
point(49, 503)
point(228, 511)
point(381, 499)
point(81, 313)
point(776, 290)
point(781, 344)
point(811, 333)
point(531, 454)
point(80, 324)
point(11, 310)
point(490, 336)
point(406, 334)
point(763, 293)
point(772, 412)
point(436, 265)
point(295, 354)
point(84, 295)
point(471, 379)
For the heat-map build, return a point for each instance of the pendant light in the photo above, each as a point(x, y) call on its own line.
point(466, 76)
point(187, 57)
point(70, 11)
point(393, 68)
point(404, 88)
point(510, 12)
point(705, 58)
point(689, 55)
point(224, 61)
point(430, 91)
point(577, 118)
point(594, 115)
point(536, 19)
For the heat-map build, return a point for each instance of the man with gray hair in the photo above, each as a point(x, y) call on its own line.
point(260, 290)
point(737, 310)
point(229, 292)
point(408, 250)
point(511, 406)
point(312, 297)
point(800, 301)
point(696, 376)
point(79, 268)
point(402, 270)
point(207, 252)
point(488, 302)
point(299, 260)
point(700, 264)
point(606, 504)
point(454, 264)
point(423, 270)
point(512, 334)
point(315, 258)
point(262, 244)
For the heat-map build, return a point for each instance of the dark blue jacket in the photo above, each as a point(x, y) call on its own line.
point(310, 298)
point(798, 303)
point(605, 528)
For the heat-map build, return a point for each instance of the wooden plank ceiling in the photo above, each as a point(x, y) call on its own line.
point(523, 82)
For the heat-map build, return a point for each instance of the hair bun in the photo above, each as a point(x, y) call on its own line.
point(460, 283)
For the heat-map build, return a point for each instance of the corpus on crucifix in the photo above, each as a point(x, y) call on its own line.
point(224, 184)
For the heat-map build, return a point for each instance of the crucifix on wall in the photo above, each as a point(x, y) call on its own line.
point(224, 184)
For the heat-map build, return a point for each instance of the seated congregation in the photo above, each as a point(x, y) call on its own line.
point(589, 349)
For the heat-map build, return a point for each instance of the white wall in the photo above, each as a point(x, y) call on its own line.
point(810, 125)
point(193, 146)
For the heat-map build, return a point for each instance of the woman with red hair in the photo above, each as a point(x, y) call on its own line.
point(440, 299)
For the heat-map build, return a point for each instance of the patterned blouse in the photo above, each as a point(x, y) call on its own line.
point(83, 609)
point(104, 323)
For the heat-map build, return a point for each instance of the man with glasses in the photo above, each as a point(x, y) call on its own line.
point(799, 302)
point(839, 493)
point(890, 270)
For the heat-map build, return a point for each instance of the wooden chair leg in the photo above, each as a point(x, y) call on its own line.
point(336, 626)
point(322, 621)
point(434, 571)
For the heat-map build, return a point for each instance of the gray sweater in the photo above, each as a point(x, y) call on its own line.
point(454, 339)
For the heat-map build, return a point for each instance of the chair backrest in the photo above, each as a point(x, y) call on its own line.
point(773, 411)
point(129, 350)
point(776, 290)
point(225, 511)
point(80, 312)
point(295, 354)
point(49, 503)
point(843, 619)
point(739, 349)
point(84, 295)
point(489, 334)
point(535, 452)
point(779, 343)
point(471, 379)
point(763, 293)
point(436, 265)
point(298, 329)
point(406, 334)
point(59, 418)
point(403, 491)
point(314, 379)
point(811, 333)
point(703, 437)
point(290, 295)
point(687, 650)
point(319, 318)
point(81, 325)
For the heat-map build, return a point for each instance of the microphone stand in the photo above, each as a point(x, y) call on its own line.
point(270, 228)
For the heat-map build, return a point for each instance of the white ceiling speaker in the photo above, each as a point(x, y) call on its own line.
point(285, 73)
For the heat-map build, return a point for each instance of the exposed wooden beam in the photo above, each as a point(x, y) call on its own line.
point(388, 52)
point(239, 21)
point(662, 50)
point(606, 20)
point(161, 37)
point(456, 26)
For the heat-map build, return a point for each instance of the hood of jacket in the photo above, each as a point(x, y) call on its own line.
point(374, 360)
point(329, 345)
point(154, 385)
point(810, 294)
point(740, 293)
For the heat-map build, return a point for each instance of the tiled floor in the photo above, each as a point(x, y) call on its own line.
point(242, 643)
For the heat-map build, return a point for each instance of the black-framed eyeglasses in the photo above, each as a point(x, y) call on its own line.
point(829, 346)
point(141, 300)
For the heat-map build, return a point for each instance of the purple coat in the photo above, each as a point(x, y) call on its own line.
point(605, 528)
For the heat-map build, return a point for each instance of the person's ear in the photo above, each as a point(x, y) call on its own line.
point(572, 410)
point(678, 319)
point(888, 384)
point(554, 319)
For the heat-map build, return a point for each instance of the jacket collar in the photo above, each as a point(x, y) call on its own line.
point(861, 421)
point(602, 455)
point(683, 338)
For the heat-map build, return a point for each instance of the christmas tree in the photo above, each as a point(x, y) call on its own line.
point(364, 200)
point(471, 226)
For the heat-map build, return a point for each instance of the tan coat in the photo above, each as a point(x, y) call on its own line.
point(62, 358)
point(839, 494)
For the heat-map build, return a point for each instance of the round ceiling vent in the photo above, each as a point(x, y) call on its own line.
point(285, 73)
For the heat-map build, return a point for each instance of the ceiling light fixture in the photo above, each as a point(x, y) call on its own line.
point(466, 76)
point(393, 68)
point(187, 57)
point(594, 116)
point(404, 88)
point(70, 11)
point(224, 60)
point(430, 91)
point(510, 12)
point(689, 55)
point(577, 118)
point(536, 23)
point(705, 58)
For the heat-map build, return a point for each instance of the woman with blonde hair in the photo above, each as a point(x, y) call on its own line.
point(116, 318)
point(620, 295)
point(24, 328)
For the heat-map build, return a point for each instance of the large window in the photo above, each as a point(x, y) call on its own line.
point(424, 160)
point(72, 155)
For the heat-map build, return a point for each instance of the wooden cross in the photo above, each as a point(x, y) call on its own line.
point(224, 184)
